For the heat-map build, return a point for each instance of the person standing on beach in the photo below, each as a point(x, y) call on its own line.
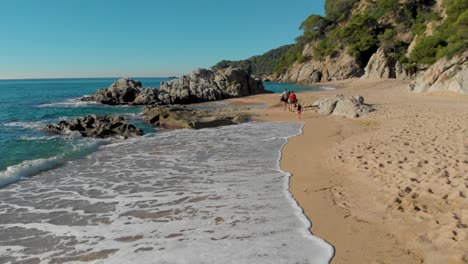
point(284, 98)
point(292, 101)
point(299, 110)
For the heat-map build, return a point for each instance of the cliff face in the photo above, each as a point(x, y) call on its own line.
point(390, 36)
point(444, 75)
point(420, 40)
point(340, 67)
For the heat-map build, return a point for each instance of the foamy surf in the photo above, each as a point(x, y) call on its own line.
point(32, 167)
point(26, 125)
point(70, 103)
point(206, 196)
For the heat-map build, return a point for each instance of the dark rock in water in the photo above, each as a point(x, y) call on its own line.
point(124, 91)
point(199, 86)
point(182, 117)
point(97, 126)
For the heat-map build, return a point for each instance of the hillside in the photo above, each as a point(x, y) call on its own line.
point(378, 39)
point(260, 65)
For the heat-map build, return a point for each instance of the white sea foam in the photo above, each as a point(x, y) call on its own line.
point(69, 103)
point(38, 138)
point(28, 125)
point(26, 168)
point(207, 196)
point(32, 167)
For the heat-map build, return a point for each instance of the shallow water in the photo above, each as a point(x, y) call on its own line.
point(207, 196)
point(26, 106)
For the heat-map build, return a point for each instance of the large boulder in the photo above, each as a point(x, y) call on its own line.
point(350, 107)
point(96, 126)
point(327, 105)
point(444, 75)
point(204, 85)
point(182, 117)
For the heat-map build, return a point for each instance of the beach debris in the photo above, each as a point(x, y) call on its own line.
point(97, 126)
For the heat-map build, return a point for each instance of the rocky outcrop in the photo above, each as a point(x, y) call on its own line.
point(199, 86)
point(381, 65)
point(350, 107)
point(146, 96)
point(444, 75)
point(203, 85)
point(97, 126)
point(182, 117)
point(340, 67)
point(123, 91)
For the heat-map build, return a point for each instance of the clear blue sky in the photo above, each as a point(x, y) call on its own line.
point(93, 38)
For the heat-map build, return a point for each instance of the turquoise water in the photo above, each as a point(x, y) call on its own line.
point(26, 106)
point(279, 87)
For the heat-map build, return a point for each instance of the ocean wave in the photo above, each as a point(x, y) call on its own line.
point(32, 167)
point(38, 138)
point(132, 115)
point(69, 103)
point(28, 125)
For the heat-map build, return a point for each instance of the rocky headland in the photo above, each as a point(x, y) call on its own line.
point(201, 85)
point(97, 126)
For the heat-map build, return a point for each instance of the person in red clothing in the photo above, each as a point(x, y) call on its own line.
point(299, 110)
point(292, 100)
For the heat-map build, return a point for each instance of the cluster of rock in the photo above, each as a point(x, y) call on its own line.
point(183, 117)
point(96, 126)
point(350, 107)
point(444, 75)
point(199, 86)
point(124, 91)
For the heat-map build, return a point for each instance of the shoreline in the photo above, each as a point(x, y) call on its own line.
point(385, 211)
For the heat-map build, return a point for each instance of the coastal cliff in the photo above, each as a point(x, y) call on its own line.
point(423, 41)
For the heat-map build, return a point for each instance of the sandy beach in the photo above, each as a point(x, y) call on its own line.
point(391, 187)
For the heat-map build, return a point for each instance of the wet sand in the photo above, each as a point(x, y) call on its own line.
point(391, 187)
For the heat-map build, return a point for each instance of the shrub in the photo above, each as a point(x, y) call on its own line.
point(449, 39)
point(338, 10)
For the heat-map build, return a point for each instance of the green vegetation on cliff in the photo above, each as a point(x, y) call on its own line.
point(361, 27)
point(450, 38)
point(257, 65)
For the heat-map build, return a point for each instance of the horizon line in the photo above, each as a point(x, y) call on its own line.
point(83, 77)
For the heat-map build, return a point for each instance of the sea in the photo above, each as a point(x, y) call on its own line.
point(215, 195)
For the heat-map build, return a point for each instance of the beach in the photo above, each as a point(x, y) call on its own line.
point(387, 188)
